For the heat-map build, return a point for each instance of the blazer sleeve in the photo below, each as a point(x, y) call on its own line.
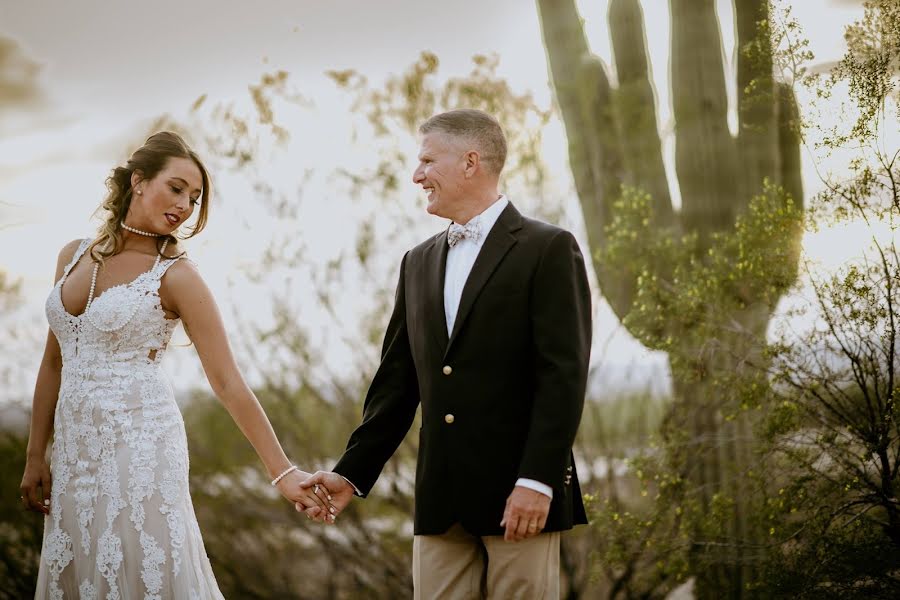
point(390, 404)
point(561, 334)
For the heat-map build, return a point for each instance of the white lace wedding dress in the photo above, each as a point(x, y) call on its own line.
point(121, 523)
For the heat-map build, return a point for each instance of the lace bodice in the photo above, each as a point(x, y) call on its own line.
point(124, 325)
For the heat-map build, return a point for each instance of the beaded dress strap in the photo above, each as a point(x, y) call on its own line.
point(161, 266)
point(75, 257)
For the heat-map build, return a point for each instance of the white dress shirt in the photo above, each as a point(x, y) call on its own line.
point(460, 259)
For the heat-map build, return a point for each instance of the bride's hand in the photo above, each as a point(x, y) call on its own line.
point(290, 488)
point(36, 485)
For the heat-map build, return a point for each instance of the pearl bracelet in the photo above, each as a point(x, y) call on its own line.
point(290, 469)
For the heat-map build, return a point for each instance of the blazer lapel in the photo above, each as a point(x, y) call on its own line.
point(496, 245)
point(435, 264)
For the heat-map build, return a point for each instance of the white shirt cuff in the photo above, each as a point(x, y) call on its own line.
point(537, 486)
point(356, 489)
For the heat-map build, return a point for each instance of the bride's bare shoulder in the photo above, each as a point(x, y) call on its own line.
point(185, 267)
point(182, 286)
point(182, 273)
point(68, 251)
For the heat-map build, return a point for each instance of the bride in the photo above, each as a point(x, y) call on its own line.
point(119, 521)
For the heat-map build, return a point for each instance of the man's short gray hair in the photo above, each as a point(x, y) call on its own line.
point(474, 126)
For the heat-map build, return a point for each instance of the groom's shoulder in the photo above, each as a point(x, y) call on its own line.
point(539, 227)
point(421, 247)
point(540, 232)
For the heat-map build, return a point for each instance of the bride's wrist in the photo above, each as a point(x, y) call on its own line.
point(278, 466)
point(283, 473)
point(35, 459)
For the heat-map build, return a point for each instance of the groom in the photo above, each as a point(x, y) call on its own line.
point(491, 334)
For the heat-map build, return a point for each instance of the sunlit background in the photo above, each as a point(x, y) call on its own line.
point(83, 83)
point(96, 74)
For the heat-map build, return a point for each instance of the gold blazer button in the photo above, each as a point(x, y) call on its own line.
point(447, 369)
point(448, 418)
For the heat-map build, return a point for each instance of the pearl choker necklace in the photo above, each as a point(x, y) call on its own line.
point(138, 231)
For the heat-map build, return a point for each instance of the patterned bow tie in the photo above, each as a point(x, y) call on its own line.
point(471, 230)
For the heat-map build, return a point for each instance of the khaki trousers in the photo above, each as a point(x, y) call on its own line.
point(457, 565)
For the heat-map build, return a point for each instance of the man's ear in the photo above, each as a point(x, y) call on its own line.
point(472, 161)
point(136, 177)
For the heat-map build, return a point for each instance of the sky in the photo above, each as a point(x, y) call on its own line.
point(105, 70)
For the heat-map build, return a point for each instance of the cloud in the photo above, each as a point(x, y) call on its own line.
point(19, 85)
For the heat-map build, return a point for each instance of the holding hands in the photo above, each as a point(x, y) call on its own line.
point(317, 506)
point(328, 488)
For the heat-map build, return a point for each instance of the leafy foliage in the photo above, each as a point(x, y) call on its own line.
point(821, 478)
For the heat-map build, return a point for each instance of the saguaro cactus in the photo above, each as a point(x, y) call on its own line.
point(614, 142)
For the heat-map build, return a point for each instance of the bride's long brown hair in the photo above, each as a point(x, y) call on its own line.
point(148, 161)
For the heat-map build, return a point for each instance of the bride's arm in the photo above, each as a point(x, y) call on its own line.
point(184, 292)
point(35, 485)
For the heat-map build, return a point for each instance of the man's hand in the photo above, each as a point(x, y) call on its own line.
point(525, 515)
point(333, 490)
